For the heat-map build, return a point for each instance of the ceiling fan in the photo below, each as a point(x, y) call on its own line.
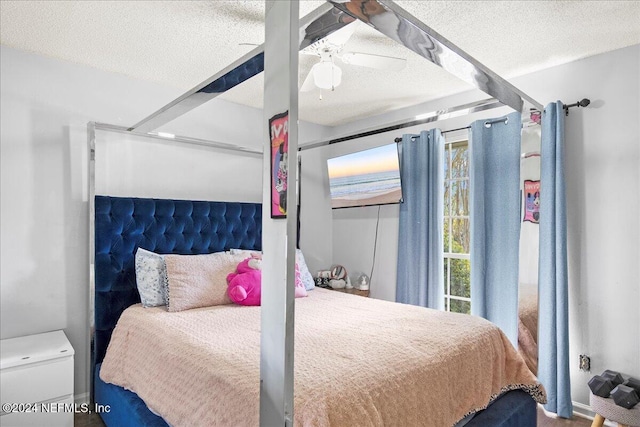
point(325, 74)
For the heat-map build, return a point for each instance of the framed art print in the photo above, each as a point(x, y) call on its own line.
point(531, 201)
point(279, 135)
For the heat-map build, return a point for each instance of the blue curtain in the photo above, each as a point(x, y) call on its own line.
point(494, 195)
point(553, 332)
point(420, 245)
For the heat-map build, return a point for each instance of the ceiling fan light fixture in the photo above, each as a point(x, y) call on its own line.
point(326, 75)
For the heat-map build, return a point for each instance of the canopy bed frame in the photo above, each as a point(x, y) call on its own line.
point(278, 58)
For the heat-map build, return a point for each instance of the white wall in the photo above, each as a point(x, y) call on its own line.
point(603, 194)
point(135, 166)
point(316, 236)
point(355, 242)
point(603, 201)
point(44, 110)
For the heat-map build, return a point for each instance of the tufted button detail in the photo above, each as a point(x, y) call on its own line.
point(163, 226)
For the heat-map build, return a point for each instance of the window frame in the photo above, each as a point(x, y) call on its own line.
point(450, 143)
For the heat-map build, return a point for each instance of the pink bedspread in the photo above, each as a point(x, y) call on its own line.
point(358, 362)
point(528, 331)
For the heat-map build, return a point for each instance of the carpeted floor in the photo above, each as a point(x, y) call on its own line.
point(544, 421)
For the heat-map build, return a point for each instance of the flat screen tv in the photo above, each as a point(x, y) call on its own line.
point(365, 178)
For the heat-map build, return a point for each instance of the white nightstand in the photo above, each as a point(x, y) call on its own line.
point(36, 380)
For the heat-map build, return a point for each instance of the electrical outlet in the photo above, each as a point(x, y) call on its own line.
point(585, 363)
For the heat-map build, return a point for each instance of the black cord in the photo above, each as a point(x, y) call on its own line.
point(375, 246)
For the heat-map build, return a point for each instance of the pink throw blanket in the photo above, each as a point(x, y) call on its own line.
point(358, 361)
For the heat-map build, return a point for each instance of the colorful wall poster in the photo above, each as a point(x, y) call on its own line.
point(531, 201)
point(279, 134)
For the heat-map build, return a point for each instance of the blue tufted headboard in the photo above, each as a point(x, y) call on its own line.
point(162, 226)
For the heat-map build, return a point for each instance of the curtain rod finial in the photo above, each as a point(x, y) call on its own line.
point(582, 103)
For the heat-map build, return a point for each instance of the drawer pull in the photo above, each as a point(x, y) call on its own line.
point(25, 358)
point(63, 351)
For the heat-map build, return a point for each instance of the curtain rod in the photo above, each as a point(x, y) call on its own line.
point(582, 103)
point(461, 110)
point(399, 139)
point(525, 124)
point(487, 123)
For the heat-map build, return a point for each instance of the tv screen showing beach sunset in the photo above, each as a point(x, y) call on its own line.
point(370, 177)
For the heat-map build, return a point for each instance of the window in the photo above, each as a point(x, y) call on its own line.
point(457, 268)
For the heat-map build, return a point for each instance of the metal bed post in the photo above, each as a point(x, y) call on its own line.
point(91, 192)
point(278, 234)
point(383, 15)
point(313, 27)
point(240, 149)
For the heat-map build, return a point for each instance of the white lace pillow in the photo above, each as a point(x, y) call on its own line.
point(151, 278)
point(305, 274)
point(199, 280)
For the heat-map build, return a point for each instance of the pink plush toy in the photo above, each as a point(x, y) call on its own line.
point(244, 286)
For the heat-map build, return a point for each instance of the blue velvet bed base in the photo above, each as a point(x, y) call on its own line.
point(513, 409)
point(125, 408)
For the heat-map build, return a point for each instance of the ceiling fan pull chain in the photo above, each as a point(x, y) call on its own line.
point(333, 87)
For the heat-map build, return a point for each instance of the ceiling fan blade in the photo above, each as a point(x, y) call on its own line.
point(308, 84)
point(341, 36)
point(370, 60)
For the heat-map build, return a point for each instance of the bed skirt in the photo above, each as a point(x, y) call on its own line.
point(513, 409)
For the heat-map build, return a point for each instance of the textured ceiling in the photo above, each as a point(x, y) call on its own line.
point(181, 43)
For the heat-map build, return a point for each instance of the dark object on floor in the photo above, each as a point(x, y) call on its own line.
point(633, 383)
point(606, 409)
point(600, 386)
point(613, 376)
point(625, 396)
